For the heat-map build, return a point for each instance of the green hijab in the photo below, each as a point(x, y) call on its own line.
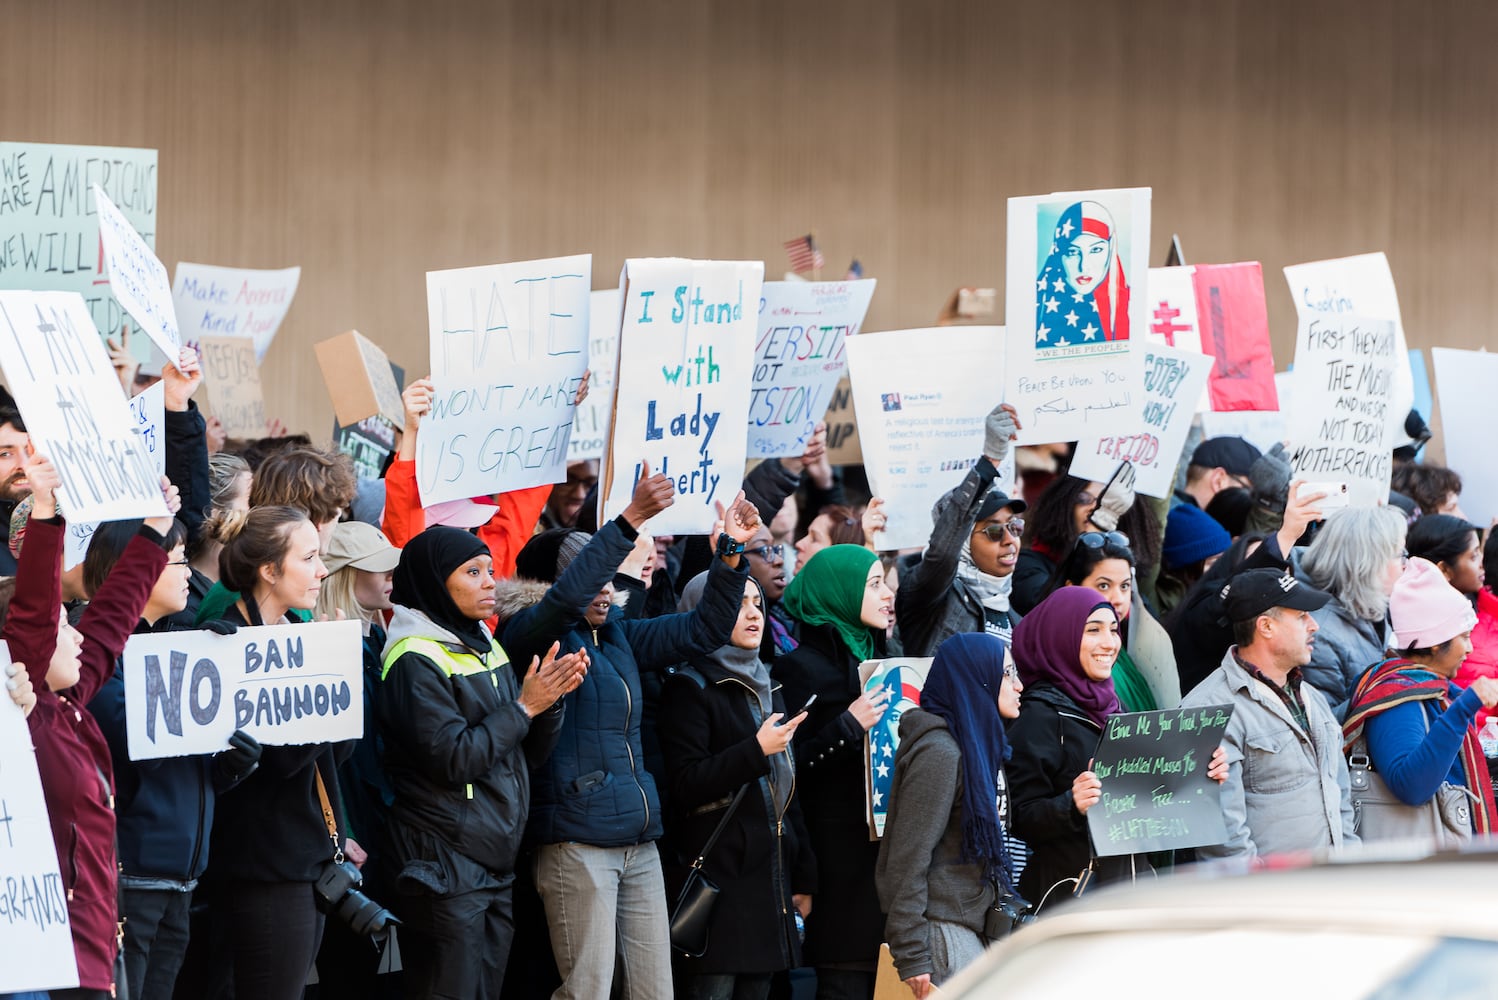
point(828, 590)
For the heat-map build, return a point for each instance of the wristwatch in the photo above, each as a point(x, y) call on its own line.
point(728, 547)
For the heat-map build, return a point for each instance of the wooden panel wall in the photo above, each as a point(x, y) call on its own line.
point(372, 140)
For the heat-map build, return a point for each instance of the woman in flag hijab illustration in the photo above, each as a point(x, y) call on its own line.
point(1082, 296)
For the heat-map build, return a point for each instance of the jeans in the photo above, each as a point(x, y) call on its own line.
point(726, 986)
point(156, 934)
point(603, 902)
point(272, 929)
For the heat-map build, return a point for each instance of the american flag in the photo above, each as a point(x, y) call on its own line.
point(804, 254)
point(855, 270)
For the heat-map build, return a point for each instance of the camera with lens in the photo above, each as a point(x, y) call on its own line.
point(338, 894)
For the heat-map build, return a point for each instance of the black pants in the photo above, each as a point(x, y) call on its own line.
point(456, 947)
point(156, 934)
point(272, 931)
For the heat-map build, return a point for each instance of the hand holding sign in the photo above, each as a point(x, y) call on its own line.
point(181, 380)
point(173, 498)
point(999, 428)
point(1086, 791)
point(653, 494)
point(124, 363)
point(740, 519)
point(18, 684)
point(44, 480)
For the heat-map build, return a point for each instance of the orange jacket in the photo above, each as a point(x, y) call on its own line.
point(505, 534)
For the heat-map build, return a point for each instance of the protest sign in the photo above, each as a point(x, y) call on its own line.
point(216, 301)
point(359, 378)
point(1464, 387)
point(186, 692)
point(922, 398)
point(843, 447)
point(49, 230)
point(1218, 310)
point(1152, 434)
point(1076, 305)
point(590, 425)
point(148, 418)
point(1156, 793)
point(799, 358)
point(1340, 389)
point(509, 345)
point(1360, 286)
point(74, 408)
point(681, 395)
point(36, 950)
point(137, 278)
point(369, 443)
point(232, 379)
point(904, 677)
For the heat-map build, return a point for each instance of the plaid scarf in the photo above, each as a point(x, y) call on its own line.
point(1396, 682)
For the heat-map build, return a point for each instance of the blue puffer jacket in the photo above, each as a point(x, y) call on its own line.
point(594, 789)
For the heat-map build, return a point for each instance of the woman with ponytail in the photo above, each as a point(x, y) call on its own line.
point(943, 863)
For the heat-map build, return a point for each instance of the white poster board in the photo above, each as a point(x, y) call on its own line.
point(922, 397)
point(590, 425)
point(75, 410)
point(1338, 410)
point(1076, 305)
point(214, 301)
point(509, 345)
point(36, 950)
point(1465, 381)
point(1152, 434)
point(148, 419)
point(186, 692)
point(1360, 286)
point(799, 358)
point(137, 277)
point(681, 397)
point(49, 229)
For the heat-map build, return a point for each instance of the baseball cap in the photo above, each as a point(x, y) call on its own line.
point(1234, 454)
point(465, 514)
point(995, 501)
point(1252, 592)
point(362, 546)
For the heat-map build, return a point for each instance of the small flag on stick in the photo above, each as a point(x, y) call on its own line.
point(804, 254)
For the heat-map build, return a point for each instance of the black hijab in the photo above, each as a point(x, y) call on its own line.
point(421, 581)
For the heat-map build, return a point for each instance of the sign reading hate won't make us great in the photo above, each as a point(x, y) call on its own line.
point(187, 692)
point(681, 397)
point(1156, 793)
point(509, 346)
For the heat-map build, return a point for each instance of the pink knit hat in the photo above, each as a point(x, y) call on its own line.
point(1425, 609)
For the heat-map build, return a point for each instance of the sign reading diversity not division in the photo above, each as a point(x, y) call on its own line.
point(1156, 793)
point(49, 228)
point(187, 692)
point(681, 396)
point(509, 346)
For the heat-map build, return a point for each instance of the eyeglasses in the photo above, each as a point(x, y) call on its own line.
point(767, 552)
point(178, 562)
point(995, 532)
point(1098, 539)
point(1085, 499)
point(1011, 671)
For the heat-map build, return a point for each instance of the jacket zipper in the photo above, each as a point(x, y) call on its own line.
point(629, 711)
point(780, 872)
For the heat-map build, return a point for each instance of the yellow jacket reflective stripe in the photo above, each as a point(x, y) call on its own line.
point(449, 662)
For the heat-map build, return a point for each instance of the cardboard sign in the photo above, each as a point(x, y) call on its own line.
point(590, 424)
point(1156, 793)
point(138, 277)
point(148, 419)
point(799, 358)
point(922, 399)
point(843, 446)
point(1151, 437)
point(370, 443)
point(1464, 386)
point(216, 301)
point(359, 379)
point(1339, 405)
point(1358, 286)
point(36, 950)
point(681, 399)
point(74, 408)
point(904, 677)
point(233, 382)
point(1076, 305)
point(49, 228)
point(186, 692)
point(509, 345)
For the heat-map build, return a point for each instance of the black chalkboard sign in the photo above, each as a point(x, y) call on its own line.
point(1156, 793)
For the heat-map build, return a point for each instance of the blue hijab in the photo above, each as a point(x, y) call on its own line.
point(962, 688)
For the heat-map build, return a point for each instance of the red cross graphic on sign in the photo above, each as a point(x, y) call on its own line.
point(1165, 325)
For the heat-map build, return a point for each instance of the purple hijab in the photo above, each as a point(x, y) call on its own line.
point(1048, 650)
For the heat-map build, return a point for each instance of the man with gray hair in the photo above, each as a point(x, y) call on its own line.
point(1287, 786)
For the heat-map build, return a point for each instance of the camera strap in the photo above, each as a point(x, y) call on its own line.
point(327, 815)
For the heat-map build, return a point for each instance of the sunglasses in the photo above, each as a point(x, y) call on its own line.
point(1098, 539)
point(995, 532)
point(766, 552)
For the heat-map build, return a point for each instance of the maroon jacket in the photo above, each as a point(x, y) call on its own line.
point(71, 753)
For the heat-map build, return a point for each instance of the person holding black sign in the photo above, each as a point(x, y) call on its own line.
point(1287, 786)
